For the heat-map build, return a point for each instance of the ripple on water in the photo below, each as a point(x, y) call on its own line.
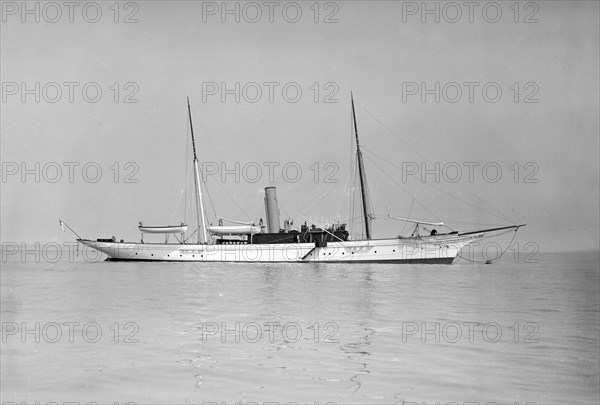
point(370, 359)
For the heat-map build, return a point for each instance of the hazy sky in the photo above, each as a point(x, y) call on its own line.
point(541, 131)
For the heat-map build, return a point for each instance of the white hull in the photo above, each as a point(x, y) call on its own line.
point(409, 250)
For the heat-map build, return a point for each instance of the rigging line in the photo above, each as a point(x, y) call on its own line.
point(501, 254)
point(197, 185)
point(370, 200)
point(452, 196)
point(205, 132)
point(283, 208)
point(499, 214)
point(231, 198)
point(130, 232)
point(207, 136)
point(189, 237)
point(392, 132)
point(353, 173)
point(490, 235)
point(324, 228)
point(351, 206)
point(314, 202)
point(356, 204)
point(361, 169)
point(406, 191)
point(356, 221)
point(474, 223)
point(351, 219)
point(370, 209)
point(207, 192)
point(259, 211)
point(183, 192)
point(326, 193)
point(187, 176)
point(209, 196)
point(179, 202)
point(427, 160)
point(259, 215)
point(412, 203)
point(347, 187)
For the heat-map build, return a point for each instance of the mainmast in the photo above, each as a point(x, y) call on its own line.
point(361, 173)
point(198, 187)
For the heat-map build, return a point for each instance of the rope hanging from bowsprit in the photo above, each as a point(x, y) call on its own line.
point(490, 261)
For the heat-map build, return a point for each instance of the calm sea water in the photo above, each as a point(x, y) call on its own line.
point(168, 333)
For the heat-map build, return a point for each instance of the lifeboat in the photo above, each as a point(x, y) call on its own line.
point(163, 229)
point(234, 230)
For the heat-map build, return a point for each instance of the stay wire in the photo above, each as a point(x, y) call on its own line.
point(500, 214)
point(504, 218)
point(501, 254)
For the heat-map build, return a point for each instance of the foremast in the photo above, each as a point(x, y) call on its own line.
point(361, 174)
point(199, 202)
